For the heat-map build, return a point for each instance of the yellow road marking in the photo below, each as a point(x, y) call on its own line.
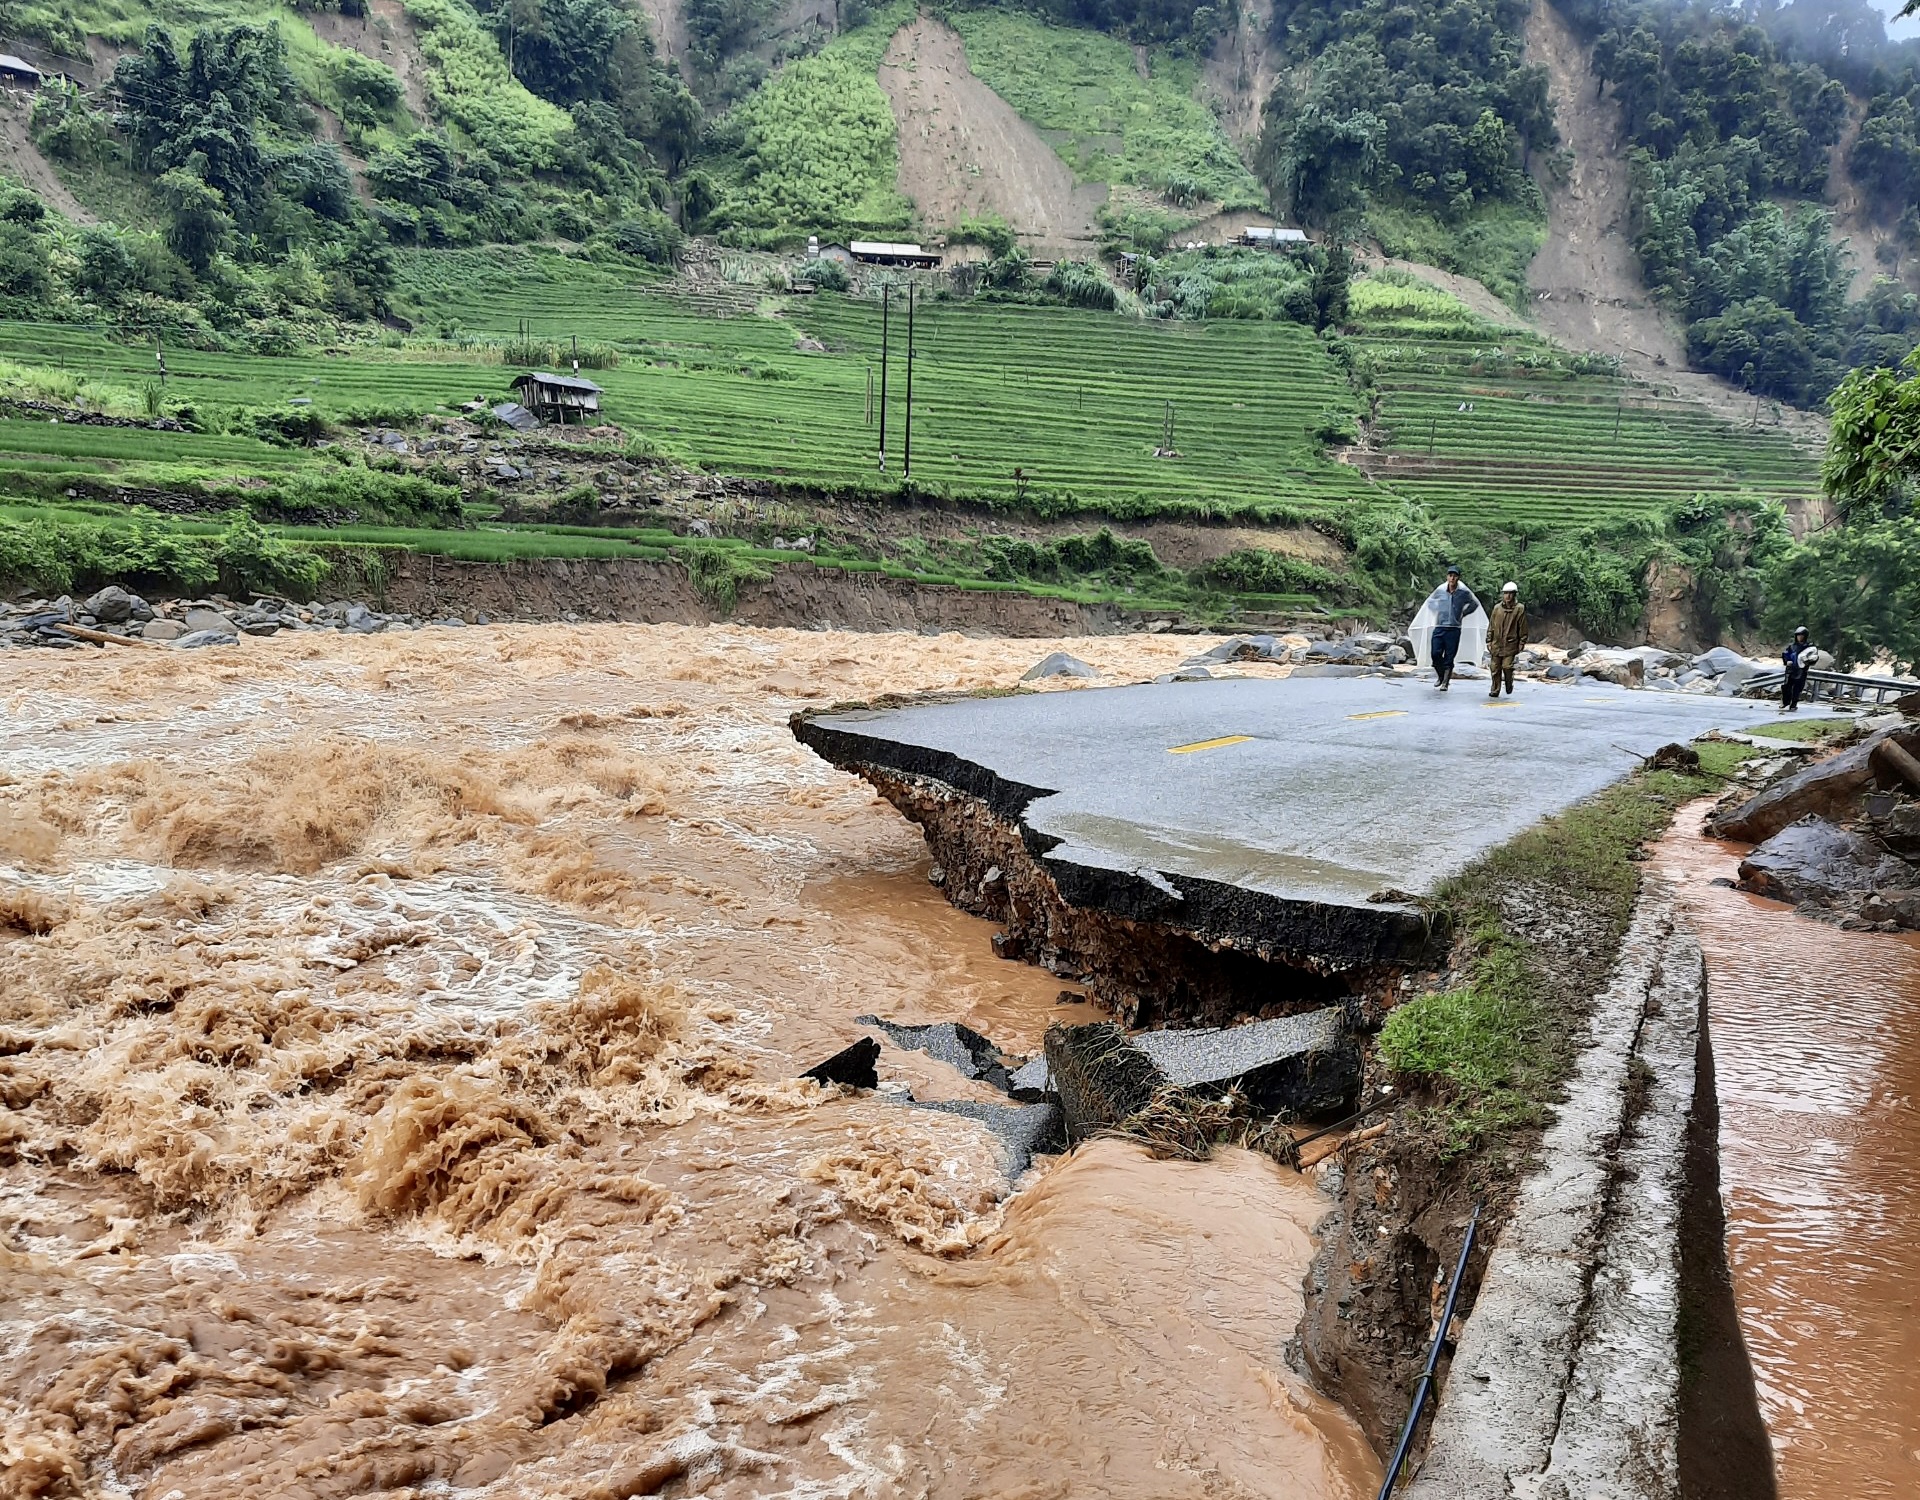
point(1599, 700)
point(1225, 739)
point(1496, 703)
point(1384, 713)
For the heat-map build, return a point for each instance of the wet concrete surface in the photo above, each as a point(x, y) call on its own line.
point(1235, 807)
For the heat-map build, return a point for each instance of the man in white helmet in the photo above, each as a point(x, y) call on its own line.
point(1506, 635)
point(1798, 659)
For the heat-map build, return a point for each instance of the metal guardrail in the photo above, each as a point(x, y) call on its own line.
point(1425, 1388)
point(1849, 684)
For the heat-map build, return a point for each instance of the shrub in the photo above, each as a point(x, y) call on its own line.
point(824, 275)
point(1079, 284)
point(649, 236)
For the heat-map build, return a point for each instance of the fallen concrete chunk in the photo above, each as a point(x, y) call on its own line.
point(853, 1066)
point(1058, 664)
point(1024, 1130)
point(1826, 789)
point(958, 1046)
point(1303, 1065)
point(1101, 1079)
point(1031, 1082)
point(1812, 860)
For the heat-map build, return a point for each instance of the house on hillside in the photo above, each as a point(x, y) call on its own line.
point(1272, 237)
point(880, 253)
point(18, 73)
point(558, 398)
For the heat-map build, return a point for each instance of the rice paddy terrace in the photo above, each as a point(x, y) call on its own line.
point(1489, 435)
point(1023, 408)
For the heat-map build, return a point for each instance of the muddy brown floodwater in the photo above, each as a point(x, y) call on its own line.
point(398, 1039)
point(1816, 1039)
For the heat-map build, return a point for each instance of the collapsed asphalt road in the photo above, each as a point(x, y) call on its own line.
point(1235, 825)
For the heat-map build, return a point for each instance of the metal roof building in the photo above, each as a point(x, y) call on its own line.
point(558, 398)
point(881, 253)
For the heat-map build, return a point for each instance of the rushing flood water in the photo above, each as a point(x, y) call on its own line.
point(398, 1040)
point(1816, 1038)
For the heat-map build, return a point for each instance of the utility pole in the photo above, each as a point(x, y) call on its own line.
point(160, 359)
point(886, 310)
point(906, 457)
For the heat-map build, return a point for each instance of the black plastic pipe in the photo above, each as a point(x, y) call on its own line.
point(1425, 1387)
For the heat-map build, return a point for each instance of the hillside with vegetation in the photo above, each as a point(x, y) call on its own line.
point(275, 230)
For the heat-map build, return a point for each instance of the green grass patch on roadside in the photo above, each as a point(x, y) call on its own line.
point(1802, 729)
point(1495, 1051)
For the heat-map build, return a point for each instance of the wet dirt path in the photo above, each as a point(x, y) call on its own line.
point(398, 1040)
point(1816, 1038)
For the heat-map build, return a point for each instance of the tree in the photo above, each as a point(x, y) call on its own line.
point(1332, 277)
point(198, 225)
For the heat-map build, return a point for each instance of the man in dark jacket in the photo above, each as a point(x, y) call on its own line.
point(1798, 658)
point(1506, 634)
point(1450, 605)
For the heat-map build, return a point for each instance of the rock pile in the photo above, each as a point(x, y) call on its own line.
point(65, 624)
point(1840, 839)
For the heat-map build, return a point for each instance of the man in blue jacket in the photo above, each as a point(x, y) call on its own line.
point(1450, 605)
point(1799, 661)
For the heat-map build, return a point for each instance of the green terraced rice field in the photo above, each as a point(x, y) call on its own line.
point(713, 374)
point(1549, 448)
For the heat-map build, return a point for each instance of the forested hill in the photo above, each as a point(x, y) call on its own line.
point(238, 172)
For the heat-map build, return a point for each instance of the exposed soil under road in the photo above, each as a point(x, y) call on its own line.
point(398, 1036)
point(966, 153)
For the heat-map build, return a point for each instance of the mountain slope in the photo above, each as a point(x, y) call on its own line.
point(965, 153)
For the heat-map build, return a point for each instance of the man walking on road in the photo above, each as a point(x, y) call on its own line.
point(1450, 605)
point(1798, 658)
point(1506, 634)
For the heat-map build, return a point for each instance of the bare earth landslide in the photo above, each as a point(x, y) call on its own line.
point(966, 153)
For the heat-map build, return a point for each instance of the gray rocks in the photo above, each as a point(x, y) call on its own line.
point(1245, 648)
point(1186, 674)
point(1058, 664)
point(202, 617)
point(113, 605)
point(1829, 789)
point(1813, 860)
point(195, 639)
point(163, 630)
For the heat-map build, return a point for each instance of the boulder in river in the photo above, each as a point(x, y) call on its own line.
point(1814, 860)
point(1058, 664)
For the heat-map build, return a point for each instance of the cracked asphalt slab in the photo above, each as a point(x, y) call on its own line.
point(1349, 797)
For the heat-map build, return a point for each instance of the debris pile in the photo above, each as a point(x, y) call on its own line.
point(1179, 1090)
point(1840, 839)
